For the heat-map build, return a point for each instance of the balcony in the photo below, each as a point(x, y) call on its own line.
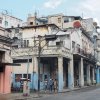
point(47, 51)
point(5, 39)
point(5, 36)
point(83, 53)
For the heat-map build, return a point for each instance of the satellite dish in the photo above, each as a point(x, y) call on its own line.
point(76, 24)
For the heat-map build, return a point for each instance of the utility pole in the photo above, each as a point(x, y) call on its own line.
point(39, 59)
point(27, 67)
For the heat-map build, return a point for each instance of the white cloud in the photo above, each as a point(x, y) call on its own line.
point(90, 9)
point(91, 5)
point(52, 3)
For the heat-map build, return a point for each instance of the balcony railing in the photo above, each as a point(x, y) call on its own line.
point(52, 50)
point(5, 39)
point(84, 53)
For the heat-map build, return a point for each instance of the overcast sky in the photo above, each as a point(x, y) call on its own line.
point(21, 8)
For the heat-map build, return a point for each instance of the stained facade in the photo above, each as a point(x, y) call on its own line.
point(70, 58)
point(5, 61)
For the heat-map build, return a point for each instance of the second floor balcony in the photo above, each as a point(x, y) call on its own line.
point(47, 51)
point(5, 36)
point(84, 53)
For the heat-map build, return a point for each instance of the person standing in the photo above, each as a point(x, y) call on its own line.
point(55, 86)
point(50, 85)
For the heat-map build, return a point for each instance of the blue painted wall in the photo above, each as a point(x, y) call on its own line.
point(98, 75)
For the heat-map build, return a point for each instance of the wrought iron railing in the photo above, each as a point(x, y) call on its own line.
point(84, 53)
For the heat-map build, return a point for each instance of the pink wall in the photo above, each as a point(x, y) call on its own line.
point(1, 82)
point(5, 80)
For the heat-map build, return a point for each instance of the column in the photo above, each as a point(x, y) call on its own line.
point(60, 74)
point(97, 75)
point(81, 73)
point(93, 75)
point(35, 72)
point(70, 74)
point(88, 75)
point(2, 82)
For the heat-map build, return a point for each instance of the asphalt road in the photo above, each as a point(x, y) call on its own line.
point(90, 93)
point(84, 94)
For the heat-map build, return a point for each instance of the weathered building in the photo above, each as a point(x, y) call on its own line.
point(5, 61)
point(98, 57)
point(56, 58)
point(70, 58)
point(8, 21)
point(35, 20)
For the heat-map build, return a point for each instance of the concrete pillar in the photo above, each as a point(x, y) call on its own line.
point(70, 74)
point(81, 73)
point(97, 76)
point(60, 74)
point(93, 75)
point(2, 82)
point(35, 72)
point(88, 75)
point(7, 79)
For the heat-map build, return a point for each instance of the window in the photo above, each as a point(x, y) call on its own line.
point(16, 30)
point(73, 44)
point(78, 48)
point(26, 43)
point(25, 76)
point(15, 46)
point(31, 23)
point(45, 77)
point(57, 43)
point(60, 43)
point(66, 20)
point(59, 20)
point(22, 60)
point(17, 77)
point(6, 23)
point(18, 25)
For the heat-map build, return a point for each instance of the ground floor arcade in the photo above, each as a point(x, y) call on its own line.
point(59, 68)
point(84, 71)
point(69, 72)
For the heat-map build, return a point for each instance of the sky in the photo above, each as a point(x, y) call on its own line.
point(21, 8)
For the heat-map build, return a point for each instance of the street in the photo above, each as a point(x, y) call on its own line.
point(85, 94)
point(89, 93)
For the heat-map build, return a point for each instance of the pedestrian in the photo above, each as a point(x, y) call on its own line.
point(55, 86)
point(45, 85)
point(50, 85)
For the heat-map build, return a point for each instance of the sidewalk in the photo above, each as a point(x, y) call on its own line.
point(19, 96)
